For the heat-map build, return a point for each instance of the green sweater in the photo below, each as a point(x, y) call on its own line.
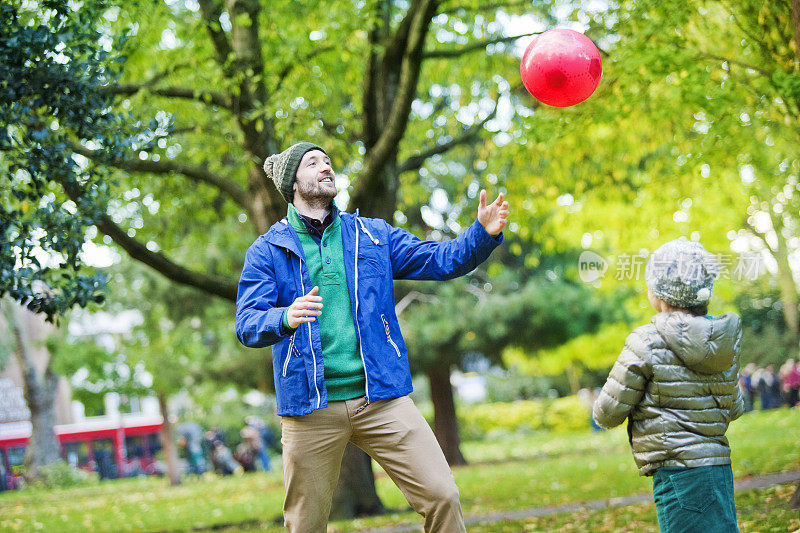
point(344, 371)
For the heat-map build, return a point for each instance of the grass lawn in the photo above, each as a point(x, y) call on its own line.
point(763, 510)
point(517, 472)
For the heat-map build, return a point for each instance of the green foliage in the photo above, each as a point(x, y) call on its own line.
point(187, 339)
point(53, 67)
point(102, 371)
point(492, 316)
point(591, 350)
point(765, 339)
point(511, 384)
point(769, 345)
point(60, 475)
point(492, 420)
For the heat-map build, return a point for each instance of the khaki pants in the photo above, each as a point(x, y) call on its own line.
point(394, 433)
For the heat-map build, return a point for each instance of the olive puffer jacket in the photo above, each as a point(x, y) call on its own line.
point(676, 383)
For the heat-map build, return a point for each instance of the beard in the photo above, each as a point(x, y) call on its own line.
point(315, 194)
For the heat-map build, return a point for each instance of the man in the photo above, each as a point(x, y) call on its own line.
point(342, 373)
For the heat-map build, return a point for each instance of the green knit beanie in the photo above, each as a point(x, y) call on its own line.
point(282, 168)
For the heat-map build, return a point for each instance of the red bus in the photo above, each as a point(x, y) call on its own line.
point(111, 447)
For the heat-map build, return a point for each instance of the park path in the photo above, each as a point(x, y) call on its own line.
point(755, 482)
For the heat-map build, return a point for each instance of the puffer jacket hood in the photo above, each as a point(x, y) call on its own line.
point(705, 344)
point(675, 382)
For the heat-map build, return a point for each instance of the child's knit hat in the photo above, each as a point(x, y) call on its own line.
point(682, 273)
point(282, 168)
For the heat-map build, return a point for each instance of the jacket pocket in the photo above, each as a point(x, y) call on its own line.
point(373, 260)
point(389, 336)
point(292, 350)
point(694, 488)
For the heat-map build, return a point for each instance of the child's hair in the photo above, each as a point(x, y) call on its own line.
point(696, 310)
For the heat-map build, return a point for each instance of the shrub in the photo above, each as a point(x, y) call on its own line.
point(60, 475)
point(523, 416)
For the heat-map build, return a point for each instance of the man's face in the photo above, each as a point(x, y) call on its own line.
point(315, 177)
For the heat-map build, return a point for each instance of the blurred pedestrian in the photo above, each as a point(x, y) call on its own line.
point(105, 466)
point(769, 388)
point(790, 381)
point(587, 397)
point(262, 440)
point(747, 387)
point(191, 442)
point(245, 455)
point(224, 462)
point(3, 476)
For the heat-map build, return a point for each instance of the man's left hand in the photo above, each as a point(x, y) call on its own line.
point(493, 217)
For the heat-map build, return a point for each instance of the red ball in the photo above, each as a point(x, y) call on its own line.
point(561, 67)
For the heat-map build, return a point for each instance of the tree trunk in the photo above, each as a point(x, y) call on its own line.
point(445, 423)
point(168, 443)
point(785, 278)
point(794, 501)
point(355, 493)
point(43, 448)
point(796, 28)
point(574, 380)
point(786, 282)
point(378, 199)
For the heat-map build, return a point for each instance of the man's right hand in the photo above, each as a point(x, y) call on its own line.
point(304, 309)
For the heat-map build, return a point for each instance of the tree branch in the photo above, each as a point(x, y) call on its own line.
point(204, 96)
point(487, 7)
point(299, 61)
point(415, 162)
point(796, 29)
point(409, 75)
point(760, 70)
point(218, 286)
point(332, 129)
point(472, 47)
point(398, 43)
point(212, 11)
point(370, 127)
point(196, 173)
point(247, 68)
point(410, 298)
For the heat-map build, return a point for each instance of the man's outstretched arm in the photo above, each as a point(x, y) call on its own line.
point(413, 258)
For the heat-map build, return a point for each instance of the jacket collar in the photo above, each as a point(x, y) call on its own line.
point(282, 234)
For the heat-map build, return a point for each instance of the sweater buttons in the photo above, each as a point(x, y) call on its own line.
point(328, 261)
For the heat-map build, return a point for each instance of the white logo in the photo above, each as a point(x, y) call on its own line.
point(591, 266)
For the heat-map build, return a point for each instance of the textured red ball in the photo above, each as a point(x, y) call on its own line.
point(561, 67)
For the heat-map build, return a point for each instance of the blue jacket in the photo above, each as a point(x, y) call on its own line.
point(275, 274)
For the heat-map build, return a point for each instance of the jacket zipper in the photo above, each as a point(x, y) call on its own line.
point(358, 327)
point(310, 342)
point(388, 336)
point(292, 348)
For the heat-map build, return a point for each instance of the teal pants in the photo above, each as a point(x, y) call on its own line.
point(695, 499)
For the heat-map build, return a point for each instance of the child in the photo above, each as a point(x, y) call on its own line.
point(676, 383)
